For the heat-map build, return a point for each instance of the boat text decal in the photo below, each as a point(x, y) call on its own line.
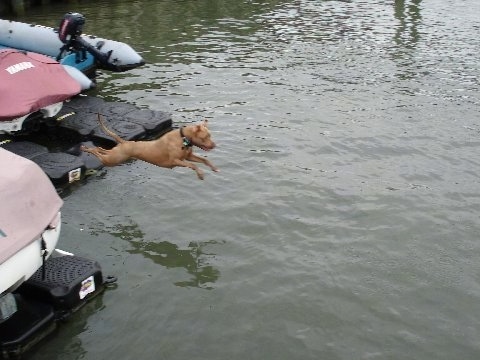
point(87, 287)
point(13, 69)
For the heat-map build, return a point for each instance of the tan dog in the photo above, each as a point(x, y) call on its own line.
point(168, 151)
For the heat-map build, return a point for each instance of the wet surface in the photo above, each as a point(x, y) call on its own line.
point(344, 221)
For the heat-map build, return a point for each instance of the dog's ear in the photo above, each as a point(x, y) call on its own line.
point(205, 123)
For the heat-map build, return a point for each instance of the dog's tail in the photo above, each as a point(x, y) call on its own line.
point(117, 138)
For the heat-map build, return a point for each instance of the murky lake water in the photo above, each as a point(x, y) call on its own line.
point(344, 222)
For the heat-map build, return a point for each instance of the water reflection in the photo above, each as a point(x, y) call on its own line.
point(126, 231)
point(406, 35)
point(408, 15)
point(70, 343)
point(194, 259)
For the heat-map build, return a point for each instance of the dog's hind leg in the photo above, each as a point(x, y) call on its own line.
point(99, 152)
point(112, 157)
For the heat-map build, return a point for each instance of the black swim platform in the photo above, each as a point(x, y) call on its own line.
point(56, 146)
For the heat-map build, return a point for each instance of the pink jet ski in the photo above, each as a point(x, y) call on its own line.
point(39, 283)
point(29, 219)
point(32, 87)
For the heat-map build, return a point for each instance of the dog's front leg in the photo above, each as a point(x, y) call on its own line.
point(178, 162)
point(200, 159)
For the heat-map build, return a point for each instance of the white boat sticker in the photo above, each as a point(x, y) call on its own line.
point(88, 286)
point(19, 67)
point(74, 175)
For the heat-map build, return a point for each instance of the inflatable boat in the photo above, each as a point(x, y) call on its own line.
point(69, 46)
point(39, 61)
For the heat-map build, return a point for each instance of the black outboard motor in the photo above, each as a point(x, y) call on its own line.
point(69, 33)
point(71, 27)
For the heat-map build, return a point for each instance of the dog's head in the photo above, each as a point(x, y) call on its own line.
point(201, 136)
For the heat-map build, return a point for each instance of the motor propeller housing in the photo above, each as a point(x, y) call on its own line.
point(69, 33)
point(71, 27)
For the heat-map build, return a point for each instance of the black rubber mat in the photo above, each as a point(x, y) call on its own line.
point(25, 149)
point(80, 115)
point(61, 168)
point(76, 124)
point(125, 129)
point(91, 161)
point(61, 280)
point(154, 122)
point(82, 123)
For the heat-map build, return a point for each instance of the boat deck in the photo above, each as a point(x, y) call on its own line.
point(56, 147)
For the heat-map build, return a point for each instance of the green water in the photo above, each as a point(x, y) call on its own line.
point(344, 221)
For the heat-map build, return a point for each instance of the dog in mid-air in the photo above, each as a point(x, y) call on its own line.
point(175, 148)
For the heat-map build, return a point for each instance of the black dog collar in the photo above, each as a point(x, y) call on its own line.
point(186, 141)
